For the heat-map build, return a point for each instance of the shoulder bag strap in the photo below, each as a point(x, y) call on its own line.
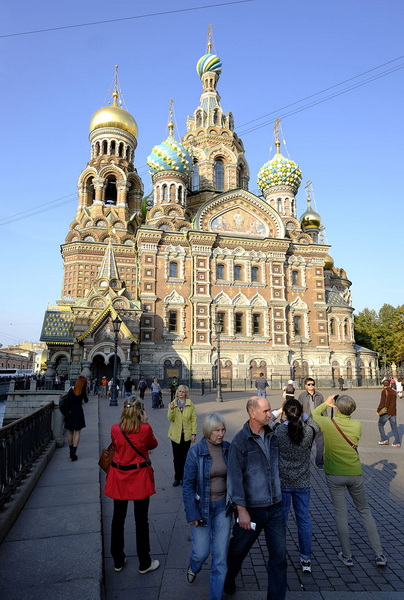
point(134, 447)
point(344, 436)
point(314, 434)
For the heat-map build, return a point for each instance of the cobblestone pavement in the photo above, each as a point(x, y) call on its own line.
point(330, 579)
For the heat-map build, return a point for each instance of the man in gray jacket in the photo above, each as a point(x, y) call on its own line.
point(254, 488)
point(310, 399)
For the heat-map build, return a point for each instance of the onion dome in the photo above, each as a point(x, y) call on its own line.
point(328, 262)
point(209, 63)
point(170, 155)
point(279, 171)
point(310, 219)
point(114, 116)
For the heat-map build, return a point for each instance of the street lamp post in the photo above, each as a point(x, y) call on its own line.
point(301, 343)
point(219, 395)
point(117, 325)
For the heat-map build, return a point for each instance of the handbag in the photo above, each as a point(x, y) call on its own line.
point(106, 457)
point(383, 410)
point(63, 404)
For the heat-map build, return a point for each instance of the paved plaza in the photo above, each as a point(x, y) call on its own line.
point(59, 545)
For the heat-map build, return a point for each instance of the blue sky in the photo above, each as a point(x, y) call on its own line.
point(274, 54)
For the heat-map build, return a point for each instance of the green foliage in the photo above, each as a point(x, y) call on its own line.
point(382, 332)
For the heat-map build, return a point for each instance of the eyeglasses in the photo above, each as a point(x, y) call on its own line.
point(310, 384)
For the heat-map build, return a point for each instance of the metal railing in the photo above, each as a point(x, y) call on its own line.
point(21, 443)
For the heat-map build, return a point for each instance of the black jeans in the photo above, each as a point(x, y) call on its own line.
point(272, 521)
point(180, 452)
point(141, 510)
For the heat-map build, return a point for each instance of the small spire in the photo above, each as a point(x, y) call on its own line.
point(209, 44)
point(277, 141)
point(115, 93)
point(170, 120)
point(308, 188)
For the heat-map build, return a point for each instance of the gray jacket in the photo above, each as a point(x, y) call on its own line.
point(305, 401)
point(253, 479)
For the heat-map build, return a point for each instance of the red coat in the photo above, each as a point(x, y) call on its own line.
point(138, 483)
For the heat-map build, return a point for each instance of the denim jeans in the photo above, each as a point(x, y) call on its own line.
point(337, 484)
point(155, 399)
point(393, 424)
point(300, 498)
point(216, 536)
point(262, 393)
point(272, 521)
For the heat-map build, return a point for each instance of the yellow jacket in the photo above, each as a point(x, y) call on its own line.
point(182, 420)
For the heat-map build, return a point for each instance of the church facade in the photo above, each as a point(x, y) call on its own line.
point(200, 255)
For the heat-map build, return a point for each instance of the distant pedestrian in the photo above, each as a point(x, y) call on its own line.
point(387, 411)
point(142, 387)
point(128, 387)
point(173, 387)
point(74, 420)
point(343, 471)
point(182, 430)
point(155, 393)
point(341, 383)
point(261, 384)
point(130, 477)
point(104, 386)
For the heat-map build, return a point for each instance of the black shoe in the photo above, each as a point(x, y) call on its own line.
point(191, 576)
point(176, 483)
point(119, 568)
point(229, 587)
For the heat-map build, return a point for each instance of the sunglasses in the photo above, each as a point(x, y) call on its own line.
point(312, 384)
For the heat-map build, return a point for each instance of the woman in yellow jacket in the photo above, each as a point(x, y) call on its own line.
point(182, 430)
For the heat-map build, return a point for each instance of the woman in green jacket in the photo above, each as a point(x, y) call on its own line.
point(343, 471)
point(182, 430)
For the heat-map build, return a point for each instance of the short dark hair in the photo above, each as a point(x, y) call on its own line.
point(309, 379)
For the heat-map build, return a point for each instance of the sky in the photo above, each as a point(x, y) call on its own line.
point(277, 57)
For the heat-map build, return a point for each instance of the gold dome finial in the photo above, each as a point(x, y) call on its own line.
point(209, 44)
point(115, 93)
point(170, 120)
point(277, 141)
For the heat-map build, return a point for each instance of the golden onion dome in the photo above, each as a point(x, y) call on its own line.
point(328, 262)
point(114, 116)
point(310, 219)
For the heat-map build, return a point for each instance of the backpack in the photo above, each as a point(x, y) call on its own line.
point(142, 384)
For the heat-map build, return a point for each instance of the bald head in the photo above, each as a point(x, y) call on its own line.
point(259, 411)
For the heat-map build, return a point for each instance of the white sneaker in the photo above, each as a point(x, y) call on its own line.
point(153, 566)
point(306, 565)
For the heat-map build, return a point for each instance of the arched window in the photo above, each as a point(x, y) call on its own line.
point(237, 272)
point(110, 191)
point(219, 271)
point(279, 205)
point(112, 147)
point(218, 174)
point(165, 192)
point(256, 323)
point(104, 147)
point(332, 327)
point(173, 269)
point(120, 149)
point(346, 329)
point(172, 192)
point(172, 320)
point(215, 117)
point(297, 325)
point(179, 194)
point(195, 177)
point(295, 277)
point(255, 273)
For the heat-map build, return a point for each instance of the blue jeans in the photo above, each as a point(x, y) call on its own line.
point(300, 498)
point(393, 424)
point(155, 399)
point(272, 521)
point(216, 535)
point(262, 393)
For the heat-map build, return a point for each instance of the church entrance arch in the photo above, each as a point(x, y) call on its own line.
point(99, 368)
point(173, 369)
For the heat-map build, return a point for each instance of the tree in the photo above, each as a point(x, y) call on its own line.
point(382, 332)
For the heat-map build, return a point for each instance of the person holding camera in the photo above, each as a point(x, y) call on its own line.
point(343, 471)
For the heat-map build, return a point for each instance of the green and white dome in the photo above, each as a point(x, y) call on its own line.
point(170, 155)
point(209, 63)
point(279, 171)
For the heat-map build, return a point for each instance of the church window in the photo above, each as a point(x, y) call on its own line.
point(295, 277)
point(113, 146)
point(104, 147)
point(195, 177)
point(172, 320)
point(239, 322)
point(219, 271)
point(218, 174)
point(221, 317)
point(256, 323)
point(179, 193)
point(165, 192)
point(255, 274)
point(120, 149)
point(332, 327)
point(198, 119)
point(111, 192)
point(297, 325)
point(346, 329)
point(237, 272)
point(172, 192)
point(279, 205)
point(128, 153)
point(173, 269)
point(215, 117)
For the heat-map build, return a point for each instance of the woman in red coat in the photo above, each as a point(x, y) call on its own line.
point(130, 477)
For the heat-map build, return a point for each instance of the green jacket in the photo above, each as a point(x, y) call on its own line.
point(181, 420)
point(339, 457)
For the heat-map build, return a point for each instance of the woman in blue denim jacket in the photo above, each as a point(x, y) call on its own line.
point(204, 491)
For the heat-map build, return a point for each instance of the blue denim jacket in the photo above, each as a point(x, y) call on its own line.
point(252, 479)
point(196, 481)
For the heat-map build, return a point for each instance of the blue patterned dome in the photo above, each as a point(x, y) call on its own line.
point(279, 171)
point(170, 155)
point(209, 62)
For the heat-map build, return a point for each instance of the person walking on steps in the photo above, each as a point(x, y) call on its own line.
point(74, 420)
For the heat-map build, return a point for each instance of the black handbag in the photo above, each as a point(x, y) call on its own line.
point(63, 404)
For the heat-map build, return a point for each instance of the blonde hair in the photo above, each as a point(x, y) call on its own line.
point(132, 414)
point(186, 390)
